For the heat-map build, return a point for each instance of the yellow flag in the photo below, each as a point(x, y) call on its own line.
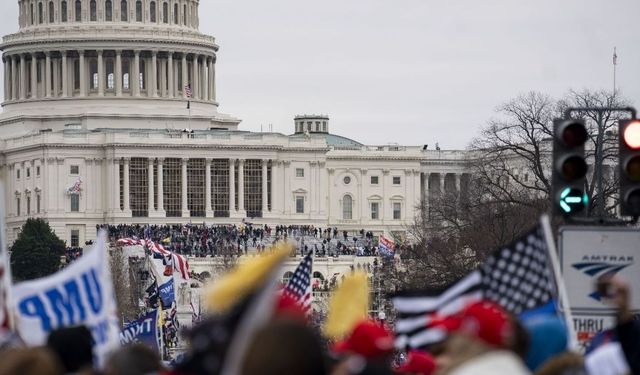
point(348, 305)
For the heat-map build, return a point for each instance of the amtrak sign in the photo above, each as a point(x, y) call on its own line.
point(587, 253)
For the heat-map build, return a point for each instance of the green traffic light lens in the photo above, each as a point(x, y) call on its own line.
point(573, 168)
point(572, 200)
point(632, 169)
point(574, 134)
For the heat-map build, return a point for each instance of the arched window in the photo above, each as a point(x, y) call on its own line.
point(52, 13)
point(125, 74)
point(124, 11)
point(108, 11)
point(93, 68)
point(93, 10)
point(63, 11)
point(138, 11)
point(152, 11)
point(40, 14)
point(76, 74)
point(78, 11)
point(165, 12)
point(176, 16)
point(347, 207)
point(143, 70)
point(286, 277)
point(110, 74)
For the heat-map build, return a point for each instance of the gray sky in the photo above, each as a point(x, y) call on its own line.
point(408, 71)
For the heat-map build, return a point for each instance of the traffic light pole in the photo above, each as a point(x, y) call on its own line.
point(601, 219)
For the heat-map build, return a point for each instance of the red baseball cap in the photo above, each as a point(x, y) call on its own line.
point(368, 339)
point(484, 320)
point(417, 363)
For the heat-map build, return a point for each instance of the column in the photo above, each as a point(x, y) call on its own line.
point(185, 201)
point(241, 209)
point(65, 73)
point(83, 75)
point(162, 85)
point(118, 72)
point(457, 176)
point(100, 73)
point(170, 75)
point(213, 79)
point(232, 187)
point(136, 73)
point(127, 206)
point(47, 74)
point(265, 187)
point(196, 83)
point(204, 88)
point(185, 77)
point(23, 77)
point(115, 177)
point(161, 187)
point(7, 77)
point(207, 193)
point(34, 76)
point(275, 167)
point(56, 77)
point(150, 193)
point(153, 82)
point(14, 77)
point(441, 178)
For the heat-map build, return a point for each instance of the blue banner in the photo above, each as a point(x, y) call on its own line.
point(143, 331)
point(167, 294)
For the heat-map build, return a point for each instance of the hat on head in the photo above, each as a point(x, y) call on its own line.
point(368, 339)
point(417, 363)
point(483, 320)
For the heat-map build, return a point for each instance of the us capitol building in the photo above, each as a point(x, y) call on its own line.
point(95, 129)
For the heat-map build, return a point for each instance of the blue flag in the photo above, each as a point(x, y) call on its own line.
point(143, 331)
point(167, 294)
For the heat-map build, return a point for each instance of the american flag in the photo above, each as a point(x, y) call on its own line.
point(179, 262)
point(187, 91)
point(299, 286)
point(518, 277)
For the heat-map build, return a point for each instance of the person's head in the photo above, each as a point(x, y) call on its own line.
point(284, 347)
point(133, 360)
point(417, 363)
point(564, 364)
point(73, 346)
point(32, 361)
point(370, 340)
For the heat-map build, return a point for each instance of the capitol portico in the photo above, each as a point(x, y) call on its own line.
point(96, 129)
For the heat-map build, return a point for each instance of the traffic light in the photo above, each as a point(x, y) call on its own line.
point(569, 167)
point(629, 131)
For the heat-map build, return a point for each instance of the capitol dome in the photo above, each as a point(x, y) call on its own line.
point(103, 63)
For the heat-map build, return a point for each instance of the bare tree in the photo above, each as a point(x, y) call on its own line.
point(126, 296)
point(513, 152)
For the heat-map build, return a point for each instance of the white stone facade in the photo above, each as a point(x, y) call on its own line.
point(102, 97)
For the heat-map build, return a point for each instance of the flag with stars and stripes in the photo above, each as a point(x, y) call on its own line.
point(187, 91)
point(519, 277)
point(299, 286)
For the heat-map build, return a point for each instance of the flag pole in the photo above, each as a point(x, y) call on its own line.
point(7, 279)
point(615, 64)
point(562, 289)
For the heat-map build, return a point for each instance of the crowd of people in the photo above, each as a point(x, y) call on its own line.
point(482, 339)
point(234, 240)
point(72, 253)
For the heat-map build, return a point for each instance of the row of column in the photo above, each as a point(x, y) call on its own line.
point(235, 210)
point(57, 72)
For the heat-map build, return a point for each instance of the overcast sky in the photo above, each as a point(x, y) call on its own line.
point(408, 71)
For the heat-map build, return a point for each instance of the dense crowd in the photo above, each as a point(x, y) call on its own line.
point(72, 253)
point(223, 240)
point(482, 339)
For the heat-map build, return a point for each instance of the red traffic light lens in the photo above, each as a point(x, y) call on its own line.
point(574, 134)
point(573, 168)
point(632, 169)
point(631, 135)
